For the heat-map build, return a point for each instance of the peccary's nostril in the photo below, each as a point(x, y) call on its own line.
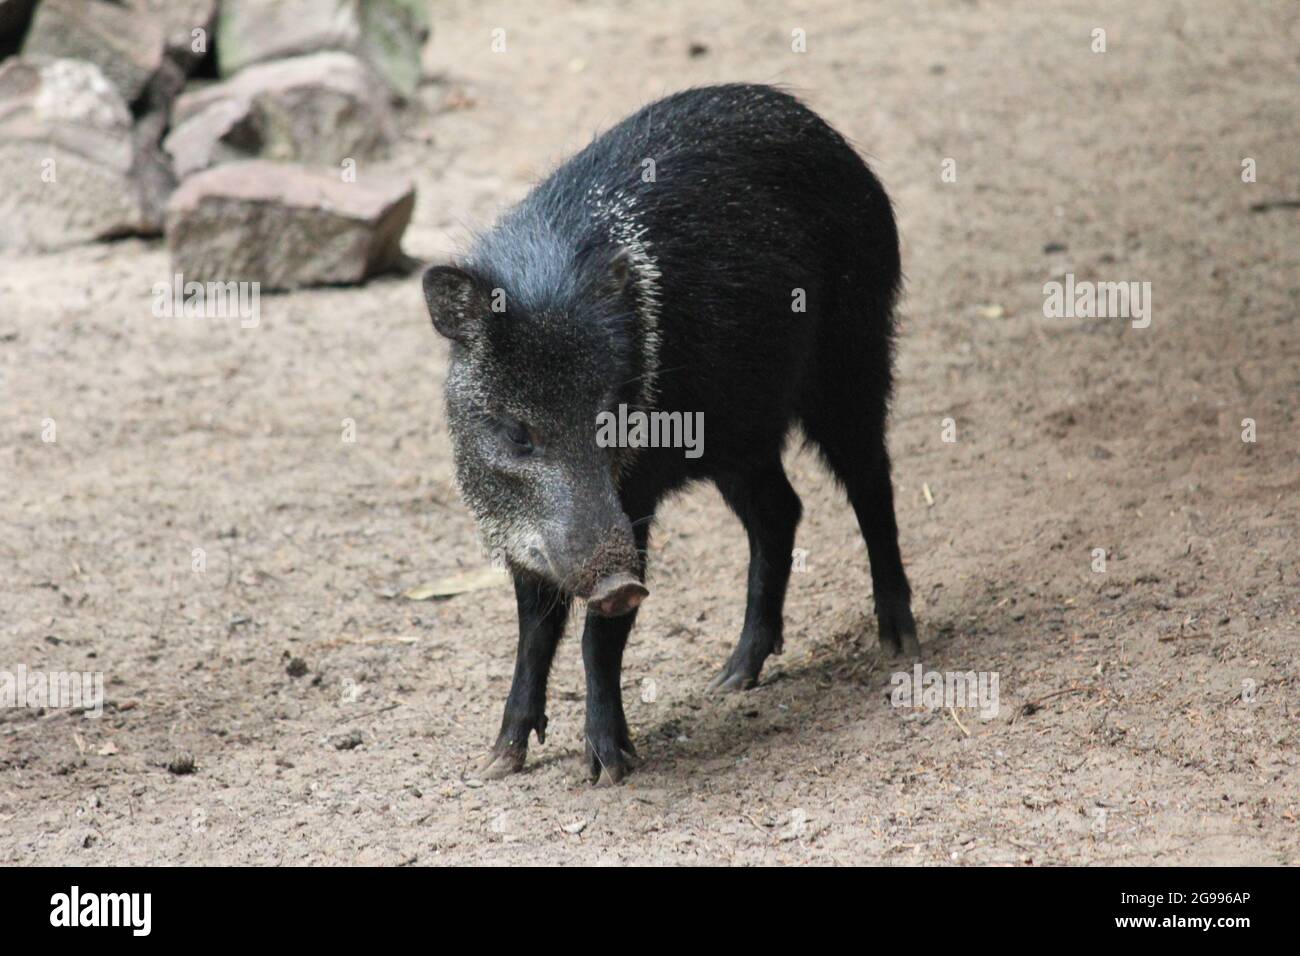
point(616, 595)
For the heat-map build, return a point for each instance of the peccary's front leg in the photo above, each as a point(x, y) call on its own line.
point(609, 751)
point(542, 613)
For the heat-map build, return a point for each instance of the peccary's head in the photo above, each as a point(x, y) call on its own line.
point(535, 358)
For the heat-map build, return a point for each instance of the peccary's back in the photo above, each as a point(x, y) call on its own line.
point(751, 222)
point(726, 179)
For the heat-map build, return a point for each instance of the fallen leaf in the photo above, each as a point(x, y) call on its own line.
point(462, 583)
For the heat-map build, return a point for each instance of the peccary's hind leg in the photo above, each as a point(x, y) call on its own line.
point(769, 509)
point(857, 455)
point(542, 613)
point(872, 496)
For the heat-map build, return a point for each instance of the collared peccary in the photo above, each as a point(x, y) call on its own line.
point(721, 253)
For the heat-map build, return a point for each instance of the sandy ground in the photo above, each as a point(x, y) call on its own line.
point(1148, 713)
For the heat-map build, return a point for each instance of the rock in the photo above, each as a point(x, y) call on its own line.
point(223, 132)
point(386, 34)
point(162, 89)
point(180, 19)
point(151, 169)
point(14, 17)
point(124, 42)
point(285, 225)
point(66, 157)
point(347, 741)
point(321, 108)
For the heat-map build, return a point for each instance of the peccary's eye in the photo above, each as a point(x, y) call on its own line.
point(517, 434)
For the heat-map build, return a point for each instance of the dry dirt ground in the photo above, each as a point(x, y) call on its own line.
point(1148, 712)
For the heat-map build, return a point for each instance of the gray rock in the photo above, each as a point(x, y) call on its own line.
point(223, 132)
point(151, 169)
point(124, 42)
point(66, 157)
point(285, 225)
point(321, 109)
point(386, 34)
point(180, 19)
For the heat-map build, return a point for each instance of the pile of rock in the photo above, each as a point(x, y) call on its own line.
point(107, 131)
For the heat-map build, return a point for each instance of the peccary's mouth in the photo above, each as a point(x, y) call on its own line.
point(616, 595)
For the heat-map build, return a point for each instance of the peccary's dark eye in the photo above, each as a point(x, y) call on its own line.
point(517, 434)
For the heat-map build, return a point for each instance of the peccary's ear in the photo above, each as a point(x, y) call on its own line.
point(620, 273)
point(457, 303)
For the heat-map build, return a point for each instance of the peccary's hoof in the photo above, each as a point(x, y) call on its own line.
point(616, 595)
point(612, 774)
point(731, 680)
point(898, 632)
point(609, 778)
point(608, 763)
point(746, 661)
point(502, 761)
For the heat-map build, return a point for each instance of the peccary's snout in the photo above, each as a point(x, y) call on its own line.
point(616, 595)
point(598, 562)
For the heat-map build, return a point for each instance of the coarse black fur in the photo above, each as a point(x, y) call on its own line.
point(663, 267)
